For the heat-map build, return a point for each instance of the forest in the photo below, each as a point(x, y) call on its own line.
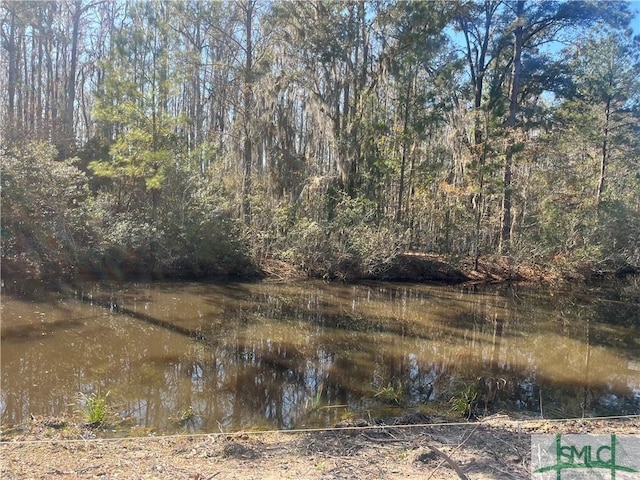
point(197, 139)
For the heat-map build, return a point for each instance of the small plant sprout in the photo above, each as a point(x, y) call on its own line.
point(187, 414)
point(315, 402)
point(390, 394)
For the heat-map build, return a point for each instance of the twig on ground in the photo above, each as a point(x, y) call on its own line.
point(449, 461)
point(384, 440)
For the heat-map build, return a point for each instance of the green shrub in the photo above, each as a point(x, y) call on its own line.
point(45, 212)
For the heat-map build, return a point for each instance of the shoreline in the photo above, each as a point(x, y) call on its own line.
point(409, 267)
point(497, 446)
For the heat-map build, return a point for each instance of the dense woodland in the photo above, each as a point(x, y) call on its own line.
point(196, 138)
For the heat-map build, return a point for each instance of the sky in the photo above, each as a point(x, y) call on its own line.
point(635, 23)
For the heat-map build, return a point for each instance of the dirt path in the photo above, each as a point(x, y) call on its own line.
point(494, 448)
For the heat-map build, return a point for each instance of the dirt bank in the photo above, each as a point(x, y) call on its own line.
point(495, 447)
point(424, 267)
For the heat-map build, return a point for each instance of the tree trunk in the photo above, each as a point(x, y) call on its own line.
point(248, 103)
point(71, 80)
point(403, 161)
point(505, 237)
point(605, 154)
point(476, 59)
point(13, 63)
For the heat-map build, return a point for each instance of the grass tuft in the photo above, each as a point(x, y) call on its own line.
point(94, 407)
point(465, 402)
point(390, 394)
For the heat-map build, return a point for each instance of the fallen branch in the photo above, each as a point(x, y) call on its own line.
point(449, 461)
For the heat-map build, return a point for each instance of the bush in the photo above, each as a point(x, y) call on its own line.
point(54, 227)
point(193, 239)
point(45, 213)
point(354, 243)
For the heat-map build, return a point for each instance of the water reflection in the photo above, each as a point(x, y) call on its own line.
point(293, 355)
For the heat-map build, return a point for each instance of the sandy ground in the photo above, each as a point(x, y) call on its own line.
point(493, 448)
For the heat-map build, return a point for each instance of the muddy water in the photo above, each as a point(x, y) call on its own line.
point(203, 357)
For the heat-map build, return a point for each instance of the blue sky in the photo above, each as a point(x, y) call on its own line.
point(635, 23)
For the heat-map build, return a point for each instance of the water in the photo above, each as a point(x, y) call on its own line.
point(205, 357)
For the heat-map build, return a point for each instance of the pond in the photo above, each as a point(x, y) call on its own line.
point(223, 357)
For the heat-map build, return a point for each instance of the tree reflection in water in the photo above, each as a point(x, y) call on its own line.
point(294, 355)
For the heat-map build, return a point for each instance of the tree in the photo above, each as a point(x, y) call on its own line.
point(530, 28)
point(304, 123)
point(479, 24)
point(331, 43)
point(247, 7)
point(133, 108)
point(606, 92)
point(49, 69)
point(596, 126)
point(417, 65)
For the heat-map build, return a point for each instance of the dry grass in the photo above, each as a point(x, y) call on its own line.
point(496, 447)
